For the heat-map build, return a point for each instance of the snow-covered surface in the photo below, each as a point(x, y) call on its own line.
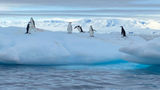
point(59, 47)
point(145, 53)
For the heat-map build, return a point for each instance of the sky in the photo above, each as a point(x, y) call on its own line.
point(81, 7)
point(148, 9)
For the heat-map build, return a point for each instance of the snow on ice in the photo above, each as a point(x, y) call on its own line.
point(60, 48)
point(145, 53)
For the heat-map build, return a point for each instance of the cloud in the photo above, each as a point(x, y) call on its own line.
point(93, 12)
point(81, 7)
point(4, 8)
point(84, 3)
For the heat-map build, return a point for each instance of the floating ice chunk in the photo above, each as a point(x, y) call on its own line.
point(145, 53)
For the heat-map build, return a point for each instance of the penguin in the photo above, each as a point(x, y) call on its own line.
point(123, 32)
point(91, 31)
point(28, 28)
point(79, 29)
point(69, 28)
point(32, 24)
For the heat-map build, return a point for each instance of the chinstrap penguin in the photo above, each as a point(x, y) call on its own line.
point(79, 29)
point(69, 28)
point(123, 32)
point(91, 31)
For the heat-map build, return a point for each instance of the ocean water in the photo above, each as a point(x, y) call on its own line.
point(117, 76)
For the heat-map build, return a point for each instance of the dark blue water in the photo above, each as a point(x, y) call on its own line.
point(122, 76)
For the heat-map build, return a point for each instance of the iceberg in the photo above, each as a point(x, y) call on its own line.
point(145, 53)
point(60, 48)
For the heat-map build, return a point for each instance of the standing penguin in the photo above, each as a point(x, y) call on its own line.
point(28, 28)
point(32, 25)
point(91, 31)
point(79, 29)
point(69, 28)
point(123, 32)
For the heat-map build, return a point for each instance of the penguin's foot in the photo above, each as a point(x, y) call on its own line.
point(124, 37)
point(27, 33)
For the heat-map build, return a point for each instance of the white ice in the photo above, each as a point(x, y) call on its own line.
point(59, 48)
point(145, 53)
point(56, 46)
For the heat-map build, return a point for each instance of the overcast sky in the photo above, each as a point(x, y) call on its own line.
point(97, 7)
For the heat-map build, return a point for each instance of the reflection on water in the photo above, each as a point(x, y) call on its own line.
point(126, 76)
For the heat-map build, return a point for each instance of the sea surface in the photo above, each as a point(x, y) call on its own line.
point(117, 76)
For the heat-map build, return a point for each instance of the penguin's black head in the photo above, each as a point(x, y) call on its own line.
point(121, 26)
point(76, 26)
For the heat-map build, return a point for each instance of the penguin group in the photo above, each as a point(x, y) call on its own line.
point(91, 30)
point(31, 26)
point(79, 28)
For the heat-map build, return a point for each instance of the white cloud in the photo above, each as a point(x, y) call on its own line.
point(4, 8)
point(94, 7)
point(84, 3)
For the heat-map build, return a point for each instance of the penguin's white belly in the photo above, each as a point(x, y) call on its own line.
point(79, 29)
point(69, 29)
point(91, 33)
point(32, 28)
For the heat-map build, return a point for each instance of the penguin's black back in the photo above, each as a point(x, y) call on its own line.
point(123, 32)
point(27, 28)
point(79, 27)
